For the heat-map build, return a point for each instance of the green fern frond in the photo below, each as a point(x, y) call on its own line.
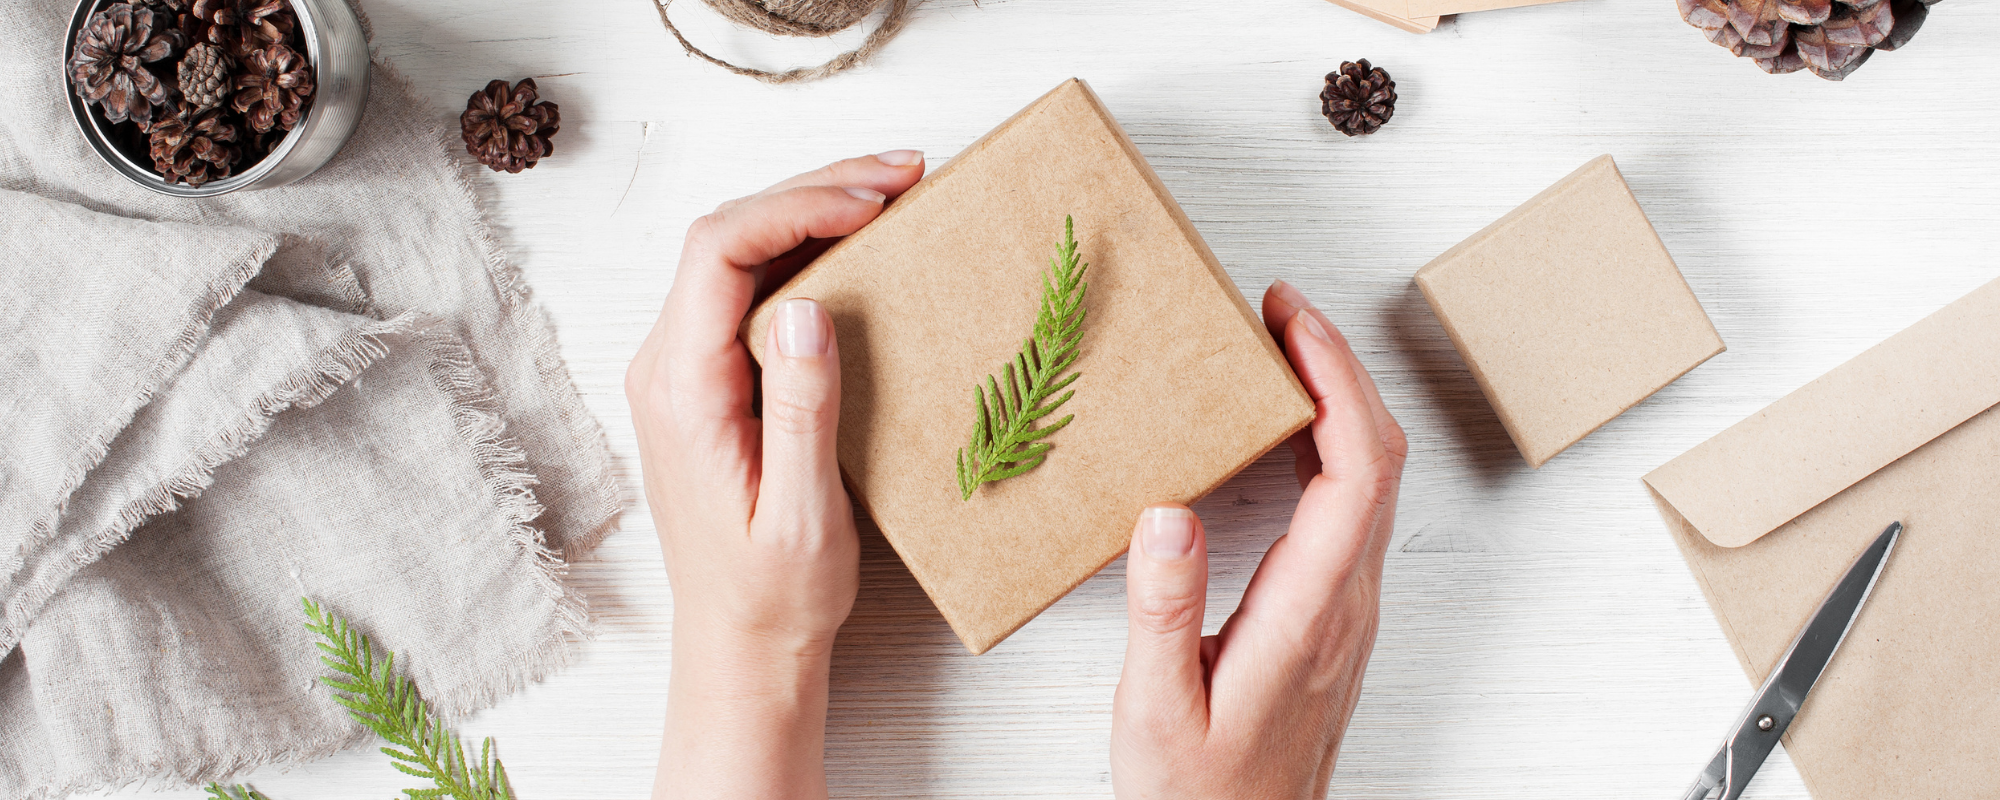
point(237, 792)
point(389, 705)
point(1005, 441)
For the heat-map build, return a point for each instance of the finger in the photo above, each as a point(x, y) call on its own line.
point(1357, 475)
point(782, 268)
point(1305, 457)
point(1339, 529)
point(1166, 590)
point(889, 173)
point(1323, 779)
point(1282, 302)
point(800, 487)
point(714, 285)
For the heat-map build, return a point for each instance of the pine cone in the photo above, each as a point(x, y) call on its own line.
point(1830, 37)
point(195, 152)
point(204, 77)
point(242, 27)
point(506, 129)
point(1358, 98)
point(108, 66)
point(273, 88)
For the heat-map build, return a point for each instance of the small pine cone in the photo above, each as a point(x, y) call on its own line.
point(195, 151)
point(273, 88)
point(506, 129)
point(1358, 98)
point(204, 77)
point(108, 66)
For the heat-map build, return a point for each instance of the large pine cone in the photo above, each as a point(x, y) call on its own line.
point(108, 65)
point(506, 129)
point(273, 88)
point(1830, 37)
point(197, 151)
point(242, 27)
point(1358, 98)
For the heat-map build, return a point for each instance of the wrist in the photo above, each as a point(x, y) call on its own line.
point(746, 716)
point(765, 644)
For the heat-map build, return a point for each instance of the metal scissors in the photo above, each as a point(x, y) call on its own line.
point(1784, 691)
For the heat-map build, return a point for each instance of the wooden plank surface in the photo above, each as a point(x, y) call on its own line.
point(1540, 635)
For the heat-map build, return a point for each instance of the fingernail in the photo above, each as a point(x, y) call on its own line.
point(801, 328)
point(1314, 327)
point(1290, 295)
point(865, 193)
point(901, 158)
point(1167, 532)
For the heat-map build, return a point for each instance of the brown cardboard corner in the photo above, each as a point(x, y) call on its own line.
point(752, 329)
point(1223, 282)
point(1441, 7)
point(1391, 12)
point(1180, 384)
point(1568, 310)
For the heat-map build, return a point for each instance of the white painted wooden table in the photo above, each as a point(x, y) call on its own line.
point(1541, 636)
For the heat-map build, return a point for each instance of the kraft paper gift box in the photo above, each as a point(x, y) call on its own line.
point(1180, 384)
point(1770, 512)
point(1568, 310)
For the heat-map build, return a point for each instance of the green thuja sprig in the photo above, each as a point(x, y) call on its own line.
point(388, 704)
point(1005, 441)
point(237, 792)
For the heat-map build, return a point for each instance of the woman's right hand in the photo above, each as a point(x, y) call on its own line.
point(1257, 710)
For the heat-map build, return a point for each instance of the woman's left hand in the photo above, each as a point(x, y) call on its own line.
point(754, 525)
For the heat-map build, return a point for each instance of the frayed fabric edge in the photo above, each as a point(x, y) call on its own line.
point(502, 464)
point(521, 312)
point(308, 385)
point(192, 331)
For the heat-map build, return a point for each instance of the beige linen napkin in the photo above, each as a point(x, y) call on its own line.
point(210, 408)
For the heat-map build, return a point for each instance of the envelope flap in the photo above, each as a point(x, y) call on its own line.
point(1842, 427)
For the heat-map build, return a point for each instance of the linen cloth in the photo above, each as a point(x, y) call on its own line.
point(208, 409)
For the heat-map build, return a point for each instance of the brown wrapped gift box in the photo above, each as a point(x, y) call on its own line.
point(1181, 386)
point(1568, 310)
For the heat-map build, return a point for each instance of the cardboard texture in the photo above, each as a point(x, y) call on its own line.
point(1181, 386)
point(1421, 16)
point(1393, 12)
point(1419, 8)
point(1769, 513)
point(1568, 310)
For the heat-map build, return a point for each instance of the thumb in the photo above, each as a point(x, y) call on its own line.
point(1166, 589)
point(801, 410)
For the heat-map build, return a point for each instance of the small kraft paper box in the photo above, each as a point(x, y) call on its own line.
point(1180, 386)
point(1568, 310)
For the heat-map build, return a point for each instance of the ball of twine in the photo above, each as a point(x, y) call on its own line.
point(816, 18)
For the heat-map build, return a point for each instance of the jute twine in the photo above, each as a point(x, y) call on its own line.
point(799, 18)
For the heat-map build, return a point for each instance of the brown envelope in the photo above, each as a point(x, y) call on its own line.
point(1772, 510)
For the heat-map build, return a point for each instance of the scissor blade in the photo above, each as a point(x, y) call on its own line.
point(1784, 692)
point(1810, 653)
point(1714, 775)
